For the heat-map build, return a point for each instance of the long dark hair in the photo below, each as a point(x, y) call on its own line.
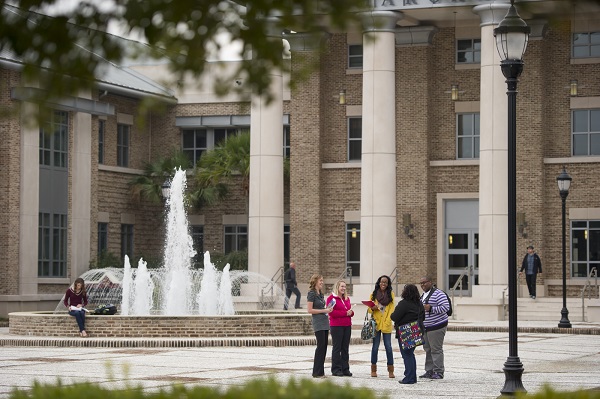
point(411, 293)
point(79, 280)
point(388, 290)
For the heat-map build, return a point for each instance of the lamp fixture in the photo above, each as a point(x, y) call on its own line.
point(354, 232)
point(166, 189)
point(522, 224)
point(450, 239)
point(454, 92)
point(409, 228)
point(573, 88)
point(343, 97)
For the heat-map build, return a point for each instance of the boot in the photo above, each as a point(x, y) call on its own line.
point(373, 370)
point(391, 371)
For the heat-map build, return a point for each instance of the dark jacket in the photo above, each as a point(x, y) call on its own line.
point(537, 264)
point(407, 312)
point(290, 278)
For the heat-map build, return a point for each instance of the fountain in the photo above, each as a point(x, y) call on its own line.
point(175, 300)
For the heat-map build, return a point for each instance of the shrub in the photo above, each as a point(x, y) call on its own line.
point(254, 389)
point(549, 393)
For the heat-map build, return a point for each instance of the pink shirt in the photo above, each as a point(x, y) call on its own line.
point(339, 316)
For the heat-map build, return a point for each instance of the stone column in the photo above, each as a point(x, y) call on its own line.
point(493, 160)
point(265, 215)
point(378, 165)
point(81, 192)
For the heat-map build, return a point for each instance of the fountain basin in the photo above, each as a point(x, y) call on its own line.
point(242, 324)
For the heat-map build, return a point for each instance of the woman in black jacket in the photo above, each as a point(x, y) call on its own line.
point(409, 309)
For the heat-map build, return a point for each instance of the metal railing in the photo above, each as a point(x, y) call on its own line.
point(267, 292)
point(468, 272)
point(395, 276)
point(504, 305)
point(588, 284)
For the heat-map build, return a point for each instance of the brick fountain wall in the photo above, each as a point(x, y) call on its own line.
point(243, 324)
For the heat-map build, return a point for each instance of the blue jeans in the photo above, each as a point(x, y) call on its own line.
point(387, 342)
point(410, 364)
point(79, 317)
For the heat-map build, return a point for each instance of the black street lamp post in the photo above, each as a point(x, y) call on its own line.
point(165, 189)
point(512, 35)
point(564, 183)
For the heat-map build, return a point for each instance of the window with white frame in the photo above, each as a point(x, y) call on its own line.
point(127, 240)
point(54, 136)
point(236, 238)
point(355, 56)
point(353, 249)
point(354, 139)
point(586, 132)
point(123, 133)
point(52, 245)
point(586, 45)
point(467, 136)
point(585, 247)
point(468, 51)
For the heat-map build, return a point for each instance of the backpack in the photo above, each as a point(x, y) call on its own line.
point(108, 309)
point(449, 312)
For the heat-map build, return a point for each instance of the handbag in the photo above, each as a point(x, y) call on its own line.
point(369, 328)
point(410, 335)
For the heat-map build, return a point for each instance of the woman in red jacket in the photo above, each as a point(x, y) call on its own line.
point(340, 322)
point(75, 301)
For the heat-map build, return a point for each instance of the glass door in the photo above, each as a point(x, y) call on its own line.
point(462, 260)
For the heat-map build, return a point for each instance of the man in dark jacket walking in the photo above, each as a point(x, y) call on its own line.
point(532, 264)
point(291, 286)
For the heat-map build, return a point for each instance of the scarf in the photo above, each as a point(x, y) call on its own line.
point(383, 298)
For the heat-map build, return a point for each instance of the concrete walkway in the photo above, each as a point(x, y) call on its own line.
point(474, 362)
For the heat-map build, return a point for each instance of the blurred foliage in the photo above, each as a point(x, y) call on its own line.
point(67, 51)
point(253, 389)
point(106, 259)
point(238, 260)
point(548, 393)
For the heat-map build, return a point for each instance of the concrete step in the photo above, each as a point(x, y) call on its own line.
point(547, 309)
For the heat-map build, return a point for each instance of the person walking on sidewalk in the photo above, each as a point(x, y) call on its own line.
point(532, 264)
point(291, 286)
point(340, 321)
point(383, 297)
point(436, 306)
point(409, 309)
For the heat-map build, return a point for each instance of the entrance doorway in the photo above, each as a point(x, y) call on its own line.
point(461, 252)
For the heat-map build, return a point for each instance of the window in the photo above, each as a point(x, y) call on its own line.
point(286, 141)
point(221, 135)
point(236, 238)
point(586, 132)
point(585, 247)
point(198, 243)
point(127, 240)
point(353, 249)
point(468, 51)
point(355, 56)
point(102, 238)
point(52, 245)
point(586, 45)
point(467, 136)
point(286, 246)
point(54, 136)
point(194, 144)
point(123, 145)
point(354, 139)
point(101, 141)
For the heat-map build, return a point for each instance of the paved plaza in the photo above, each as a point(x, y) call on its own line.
point(474, 362)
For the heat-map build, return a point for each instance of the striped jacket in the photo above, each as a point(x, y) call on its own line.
point(436, 318)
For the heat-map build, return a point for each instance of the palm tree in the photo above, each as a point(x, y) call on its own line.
point(149, 185)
